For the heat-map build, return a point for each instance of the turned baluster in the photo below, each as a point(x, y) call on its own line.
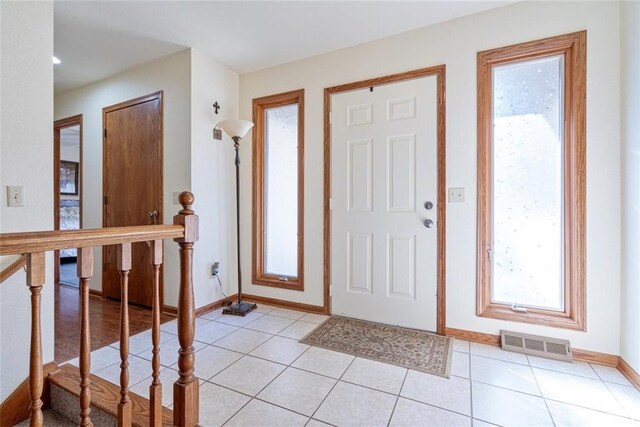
point(124, 266)
point(35, 281)
point(155, 389)
point(186, 388)
point(85, 271)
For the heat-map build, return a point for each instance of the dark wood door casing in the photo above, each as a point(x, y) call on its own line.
point(132, 187)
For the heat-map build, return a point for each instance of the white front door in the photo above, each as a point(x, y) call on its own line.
point(383, 173)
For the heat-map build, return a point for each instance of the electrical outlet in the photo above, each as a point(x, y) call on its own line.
point(15, 196)
point(456, 195)
point(215, 268)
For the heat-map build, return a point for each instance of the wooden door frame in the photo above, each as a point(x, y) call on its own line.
point(119, 106)
point(440, 72)
point(57, 126)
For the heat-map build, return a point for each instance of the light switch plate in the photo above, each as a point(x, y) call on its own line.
point(15, 196)
point(456, 195)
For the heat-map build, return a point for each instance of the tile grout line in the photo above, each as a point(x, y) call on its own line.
point(436, 406)
point(544, 369)
point(323, 375)
point(591, 409)
point(626, 384)
point(242, 355)
point(332, 388)
point(337, 380)
point(237, 412)
point(604, 383)
point(554, 400)
point(540, 396)
point(233, 363)
point(292, 367)
point(251, 398)
point(212, 344)
point(618, 400)
point(398, 397)
point(546, 405)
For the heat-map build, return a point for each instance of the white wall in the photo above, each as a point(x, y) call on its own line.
point(213, 176)
point(455, 43)
point(26, 145)
point(630, 324)
point(172, 75)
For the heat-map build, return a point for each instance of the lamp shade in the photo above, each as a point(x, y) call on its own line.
point(235, 128)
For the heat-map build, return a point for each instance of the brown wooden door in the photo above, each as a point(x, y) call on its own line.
point(132, 144)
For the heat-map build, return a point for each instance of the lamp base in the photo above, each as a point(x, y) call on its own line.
point(239, 308)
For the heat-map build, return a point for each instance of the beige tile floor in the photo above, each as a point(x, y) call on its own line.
point(254, 372)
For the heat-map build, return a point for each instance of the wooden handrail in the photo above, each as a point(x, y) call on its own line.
point(43, 241)
point(32, 247)
point(13, 268)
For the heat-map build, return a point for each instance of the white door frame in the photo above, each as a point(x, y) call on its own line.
point(440, 72)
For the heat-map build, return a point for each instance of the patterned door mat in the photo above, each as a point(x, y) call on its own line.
point(410, 348)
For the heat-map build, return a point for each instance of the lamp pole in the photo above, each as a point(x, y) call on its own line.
point(236, 145)
point(240, 308)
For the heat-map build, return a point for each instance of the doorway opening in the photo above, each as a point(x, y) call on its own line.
point(363, 275)
point(67, 190)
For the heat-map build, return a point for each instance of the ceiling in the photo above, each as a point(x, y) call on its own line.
point(97, 39)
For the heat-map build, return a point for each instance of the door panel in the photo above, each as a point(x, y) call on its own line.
point(132, 188)
point(383, 170)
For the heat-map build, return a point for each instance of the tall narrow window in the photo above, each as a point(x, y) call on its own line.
point(278, 154)
point(531, 182)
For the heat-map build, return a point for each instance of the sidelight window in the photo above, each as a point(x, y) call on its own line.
point(531, 182)
point(278, 190)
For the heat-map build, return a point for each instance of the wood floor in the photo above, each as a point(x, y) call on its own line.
point(104, 316)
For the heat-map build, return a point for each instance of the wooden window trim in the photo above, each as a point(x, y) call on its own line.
point(573, 46)
point(259, 276)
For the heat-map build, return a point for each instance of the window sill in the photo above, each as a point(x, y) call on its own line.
point(540, 317)
point(274, 282)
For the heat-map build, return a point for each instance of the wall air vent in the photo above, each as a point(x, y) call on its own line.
point(535, 345)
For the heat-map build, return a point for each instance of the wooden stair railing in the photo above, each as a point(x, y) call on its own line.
point(12, 268)
point(184, 231)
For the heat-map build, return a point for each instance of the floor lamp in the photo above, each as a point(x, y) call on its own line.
point(237, 129)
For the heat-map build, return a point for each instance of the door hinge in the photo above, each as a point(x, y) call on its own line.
point(330, 118)
point(330, 290)
point(489, 252)
point(105, 199)
point(105, 132)
point(330, 204)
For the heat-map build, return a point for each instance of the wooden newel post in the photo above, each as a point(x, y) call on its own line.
point(186, 388)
